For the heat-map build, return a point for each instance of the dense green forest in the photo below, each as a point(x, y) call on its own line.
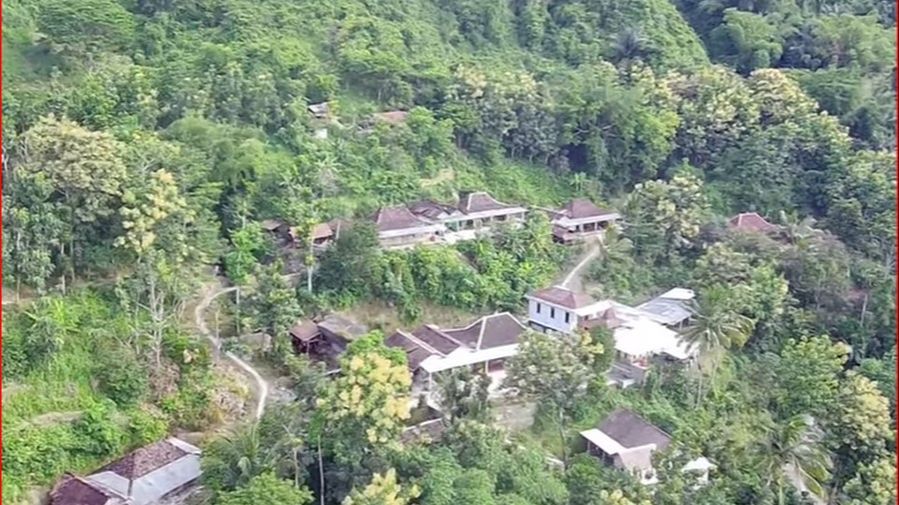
point(145, 141)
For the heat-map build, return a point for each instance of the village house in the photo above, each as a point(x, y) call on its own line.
point(671, 308)
point(323, 234)
point(483, 345)
point(325, 340)
point(560, 309)
point(580, 219)
point(475, 212)
point(278, 230)
point(628, 442)
point(320, 110)
point(143, 477)
point(639, 340)
point(751, 222)
point(321, 114)
point(398, 227)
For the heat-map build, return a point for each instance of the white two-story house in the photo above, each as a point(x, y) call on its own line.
point(560, 309)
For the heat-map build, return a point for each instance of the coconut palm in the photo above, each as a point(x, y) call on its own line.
point(716, 325)
point(233, 460)
point(793, 453)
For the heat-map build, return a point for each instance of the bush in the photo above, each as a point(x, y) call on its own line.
point(146, 427)
point(97, 431)
point(121, 376)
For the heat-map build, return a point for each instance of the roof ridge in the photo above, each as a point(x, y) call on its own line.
point(483, 322)
point(99, 486)
point(421, 343)
point(442, 333)
point(511, 316)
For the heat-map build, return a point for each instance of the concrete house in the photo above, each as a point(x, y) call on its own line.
point(484, 344)
point(143, 477)
point(560, 309)
point(398, 227)
point(476, 212)
point(639, 340)
point(580, 219)
point(628, 442)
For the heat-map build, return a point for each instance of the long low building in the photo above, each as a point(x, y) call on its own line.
point(143, 477)
point(485, 343)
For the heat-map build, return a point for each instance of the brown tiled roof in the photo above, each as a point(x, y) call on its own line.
point(435, 338)
point(563, 297)
point(339, 328)
point(393, 117)
point(479, 201)
point(145, 459)
point(631, 430)
point(751, 221)
point(416, 351)
point(322, 230)
point(581, 207)
point(429, 209)
point(489, 331)
point(305, 331)
point(397, 218)
point(72, 490)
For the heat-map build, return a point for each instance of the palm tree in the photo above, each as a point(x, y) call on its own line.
point(716, 325)
point(793, 453)
point(798, 231)
point(578, 182)
point(233, 460)
point(630, 44)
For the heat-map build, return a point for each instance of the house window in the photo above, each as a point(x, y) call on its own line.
point(567, 317)
point(538, 307)
point(552, 312)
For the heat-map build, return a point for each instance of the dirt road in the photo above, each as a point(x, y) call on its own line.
point(210, 293)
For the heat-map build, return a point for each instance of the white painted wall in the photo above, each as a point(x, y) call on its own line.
point(552, 316)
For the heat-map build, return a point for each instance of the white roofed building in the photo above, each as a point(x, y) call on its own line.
point(671, 308)
point(639, 339)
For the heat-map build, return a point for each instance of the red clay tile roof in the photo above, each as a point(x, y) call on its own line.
point(393, 117)
point(581, 207)
point(397, 218)
point(479, 201)
point(72, 490)
point(751, 221)
point(144, 460)
point(563, 297)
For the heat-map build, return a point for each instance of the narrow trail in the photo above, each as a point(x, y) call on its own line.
point(574, 279)
point(210, 294)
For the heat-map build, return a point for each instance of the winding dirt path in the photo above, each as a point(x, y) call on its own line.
point(212, 292)
point(574, 279)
